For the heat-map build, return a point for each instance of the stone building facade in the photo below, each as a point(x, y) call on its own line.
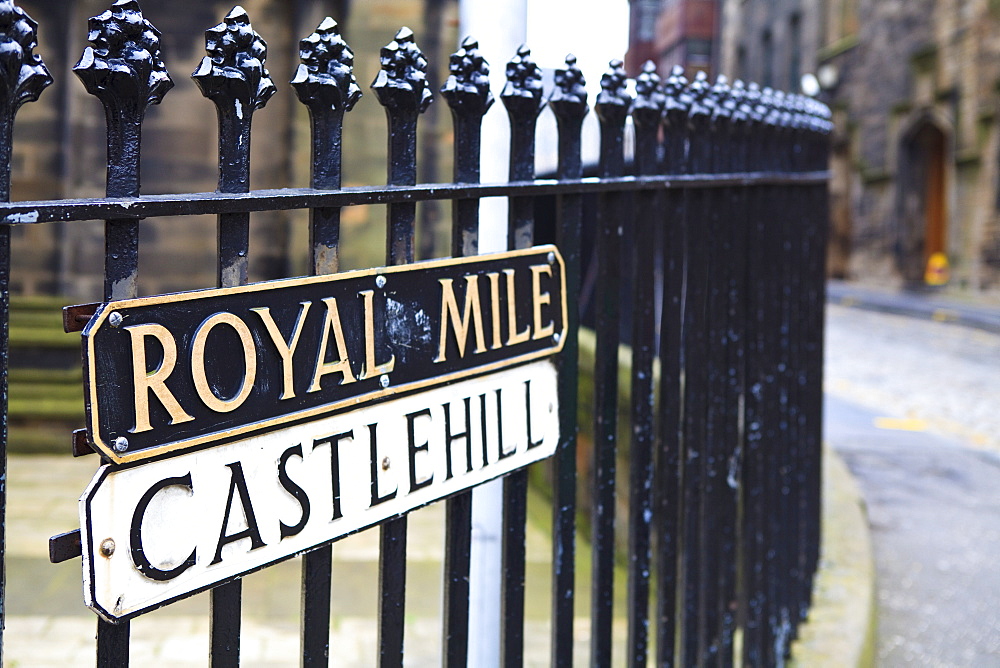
point(914, 89)
point(59, 143)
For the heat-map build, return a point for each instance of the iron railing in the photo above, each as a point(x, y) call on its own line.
point(724, 273)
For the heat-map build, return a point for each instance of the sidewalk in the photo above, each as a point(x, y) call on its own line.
point(967, 310)
point(48, 625)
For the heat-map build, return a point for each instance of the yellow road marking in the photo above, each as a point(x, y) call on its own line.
point(901, 424)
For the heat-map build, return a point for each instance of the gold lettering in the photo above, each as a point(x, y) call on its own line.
point(145, 381)
point(286, 350)
point(495, 308)
point(371, 369)
point(513, 336)
point(342, 364)
point(205, 393)
point(449, 311)
point(538, 299)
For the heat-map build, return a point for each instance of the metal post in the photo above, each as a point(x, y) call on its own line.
point(125, 93)
point(612, 108)
point(233, 76)
point(401, 87)
point(30, 78)
point(569, 103)
point(671, 444)
point(467, 91)
point(646, 114)
point(325, 83)
point(522, 96)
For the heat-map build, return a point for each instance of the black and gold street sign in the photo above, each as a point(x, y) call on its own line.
point(182, 371)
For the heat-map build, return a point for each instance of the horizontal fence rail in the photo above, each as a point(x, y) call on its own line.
point(698, 266)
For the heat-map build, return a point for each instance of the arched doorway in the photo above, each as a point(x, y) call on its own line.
point(923, 199)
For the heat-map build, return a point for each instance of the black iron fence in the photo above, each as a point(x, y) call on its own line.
point(724, 270)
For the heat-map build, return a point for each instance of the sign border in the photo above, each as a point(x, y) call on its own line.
point(102, 314)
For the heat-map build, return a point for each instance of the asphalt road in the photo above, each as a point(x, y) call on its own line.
point(911, 406)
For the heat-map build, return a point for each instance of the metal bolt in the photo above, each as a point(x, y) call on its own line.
point(385, 463)
point(384, 380)
point(556, 337)
point(552, 258)
point(107, 547)
point(115, 319)
point(380, 281)
point(121, 444)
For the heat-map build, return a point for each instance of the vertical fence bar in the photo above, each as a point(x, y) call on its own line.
point(325, 83)
point(612, 108)
point(668, 453)
point(771, 414)
point(233, 77)
point(695, 383)
point(467, 91)
point(30, 78)
point(753, 481)
point(125, 92)
point(717, 260)
point(729, 386)
point(522, 97)
point(401, 87)
point(738, 161)
point(646, 113)
point(569, 103)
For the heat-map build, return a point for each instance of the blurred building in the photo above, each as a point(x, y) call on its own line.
point(673, 32)
point(914, 89)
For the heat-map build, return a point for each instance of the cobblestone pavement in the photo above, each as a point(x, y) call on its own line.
point(912, 407)
point(944, 377)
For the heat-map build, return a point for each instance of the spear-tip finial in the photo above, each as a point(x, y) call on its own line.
point(402, 80)
point(325, 75)
point(468, 86)
point(23, 75)
point(124, 66)
point(234, 67)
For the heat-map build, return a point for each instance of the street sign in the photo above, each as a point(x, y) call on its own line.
point(176, 372)
point(162, 530)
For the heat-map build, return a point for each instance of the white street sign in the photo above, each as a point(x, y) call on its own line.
point(166, 529)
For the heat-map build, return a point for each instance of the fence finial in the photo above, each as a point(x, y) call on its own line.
point(613, 90)
point(402, 81)
point(123, 68)
point(649, 98)
point(23, 75)
point(522, 93)
point(234, 67)
point(722, 103)
point(570, 93)
point(468, 86)
point(326, 73)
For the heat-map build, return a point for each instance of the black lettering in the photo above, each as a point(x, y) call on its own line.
point(333, 441)
point(413, 449)
point(375, 463)
point(527, 412)
point(482, 424)
point(500, 453)
point(450, 438)
point(142, 564)
point(238, 482)
point(292, 488)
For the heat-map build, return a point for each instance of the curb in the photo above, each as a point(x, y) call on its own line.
point(841, 627)
point(941, 308)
